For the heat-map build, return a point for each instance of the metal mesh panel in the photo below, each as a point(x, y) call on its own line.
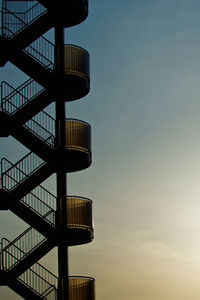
point(81, 288)
point(77, 61)
point(78, 135)
point(79, 212)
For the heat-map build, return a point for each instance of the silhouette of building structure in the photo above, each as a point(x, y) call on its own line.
point(57, 73)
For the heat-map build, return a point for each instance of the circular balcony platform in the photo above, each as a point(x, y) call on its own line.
point(79, 220)
point(81, 288)
point(78, 145)
point(76, 11)
point(77, 72)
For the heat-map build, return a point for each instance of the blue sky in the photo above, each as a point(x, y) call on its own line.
point(145, 178)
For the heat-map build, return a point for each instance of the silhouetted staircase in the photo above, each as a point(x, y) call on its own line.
point(22, 116)
point(26, 101)
point(34, 282)
point(20, 29)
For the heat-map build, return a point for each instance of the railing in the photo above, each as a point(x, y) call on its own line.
point(14, 174)
point(40, 208)
point(79, 212)
point(41, 281)
point(38, 278)
point(77, 61)
point(44, 283)
point(43, 126)
point(41, 201)
point(81, 288)
point(15, 251)
point(1, 256)
point(78, 135)
point(14, 22)
point(22, 246)
point(46, 59)
point(42, 50)
point(14, 99)
point(50, 293)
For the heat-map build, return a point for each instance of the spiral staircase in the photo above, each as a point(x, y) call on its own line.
point(22, 116)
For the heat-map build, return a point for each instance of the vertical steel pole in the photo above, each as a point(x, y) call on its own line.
point(60, 146)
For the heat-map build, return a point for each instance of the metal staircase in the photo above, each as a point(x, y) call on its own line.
point(23, 117)
point(24, 102)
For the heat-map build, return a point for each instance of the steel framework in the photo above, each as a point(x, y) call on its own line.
point(58, 73)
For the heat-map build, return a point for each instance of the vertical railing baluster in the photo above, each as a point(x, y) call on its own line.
point(13, 22)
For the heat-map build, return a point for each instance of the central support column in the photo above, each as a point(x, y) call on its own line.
point(60, 146)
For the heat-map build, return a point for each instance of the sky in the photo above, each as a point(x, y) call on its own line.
point(145, 177)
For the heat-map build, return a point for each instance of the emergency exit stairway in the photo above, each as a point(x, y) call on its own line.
point(23, 117)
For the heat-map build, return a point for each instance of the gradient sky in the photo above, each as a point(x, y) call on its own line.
point(144, 110)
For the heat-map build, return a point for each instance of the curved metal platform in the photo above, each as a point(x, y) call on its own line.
point(77, 72)
point(81, 288)
point(78, 145)
point(76, 11)
point(79, 220)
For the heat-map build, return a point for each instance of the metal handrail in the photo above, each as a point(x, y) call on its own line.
point(79, 208)
point(45, 277)
point(42, 125)
point(38, 131)
point(21, 17)
point(18, 255)
point(34, 50)
point(33, 199)
point(20, 175)
point(19, 162)
point(26, 242)
point(46, 281)
point(42, 195)
point(18, 97)
point(1, 257)
point(49, 291)
point(46, 59)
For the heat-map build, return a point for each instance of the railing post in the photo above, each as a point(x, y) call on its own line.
point(1, 175)
point(1, 105)
point(1, 257)
point(60, 148)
